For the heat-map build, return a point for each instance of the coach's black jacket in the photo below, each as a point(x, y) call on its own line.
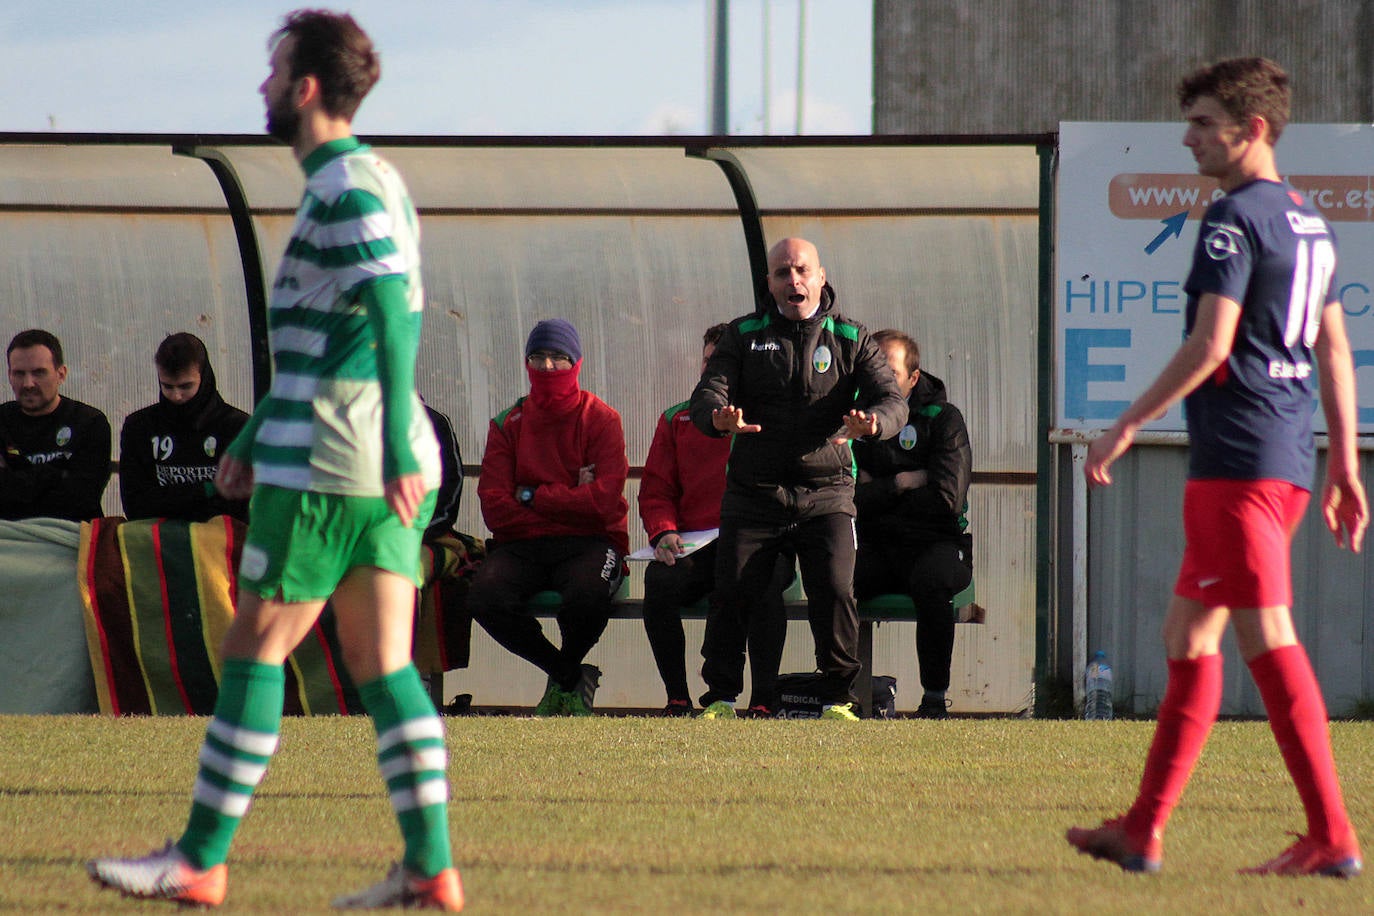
point(796, 379)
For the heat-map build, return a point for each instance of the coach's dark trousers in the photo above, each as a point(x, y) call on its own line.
point(747, 561)
point(585, 571)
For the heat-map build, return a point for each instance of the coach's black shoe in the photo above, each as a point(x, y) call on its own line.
point(933, 709)
point(678, 709)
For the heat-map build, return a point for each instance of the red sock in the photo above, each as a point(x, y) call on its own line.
point(1191, 702)
point(1297, 716)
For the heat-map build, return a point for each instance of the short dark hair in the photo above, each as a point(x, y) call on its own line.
point(334, 49)
point(1245, 87)
point(179, 352)
point(37, 337)
point(913, 350)
point(713, 335)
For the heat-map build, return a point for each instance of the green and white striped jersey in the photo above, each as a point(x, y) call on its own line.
point(337, 369)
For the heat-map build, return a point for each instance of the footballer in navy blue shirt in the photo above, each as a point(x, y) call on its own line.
point(1263, 328)
point(1265, 247)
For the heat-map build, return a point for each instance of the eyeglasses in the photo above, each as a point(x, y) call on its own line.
point(541, 358)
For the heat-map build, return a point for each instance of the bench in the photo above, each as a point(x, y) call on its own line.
point(884, 608)
point(876, 610)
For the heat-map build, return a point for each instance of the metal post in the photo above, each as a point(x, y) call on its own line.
point(801, 65)
point(250, 259)
point(1079, 560)
point(767, 71)
point(720, 70)
point(1045, 473)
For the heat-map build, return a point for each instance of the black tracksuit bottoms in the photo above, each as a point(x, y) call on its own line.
point(747, 560)
point(586, 571)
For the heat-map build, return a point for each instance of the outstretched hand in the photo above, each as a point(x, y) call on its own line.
point(730, 419)
point(857, 425)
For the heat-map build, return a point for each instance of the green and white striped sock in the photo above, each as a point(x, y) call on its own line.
point(414, 763)
point(233, 759)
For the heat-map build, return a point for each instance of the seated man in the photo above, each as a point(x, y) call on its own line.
point(168, 451)
point(552, 491)
point(451, 485)
point(912, 498)
point(684, 479)
point(54, 450)
point(448, 558)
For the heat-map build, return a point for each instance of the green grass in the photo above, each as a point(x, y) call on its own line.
point(682, 816)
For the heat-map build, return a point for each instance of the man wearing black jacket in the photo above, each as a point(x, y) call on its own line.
point(168, 451)
point(913, 499)
point(54, 450)
point(793, 385)
point(451, 482)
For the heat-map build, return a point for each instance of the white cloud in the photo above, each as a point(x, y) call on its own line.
point(672, 118)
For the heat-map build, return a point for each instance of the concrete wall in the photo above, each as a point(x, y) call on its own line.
point(978, 66)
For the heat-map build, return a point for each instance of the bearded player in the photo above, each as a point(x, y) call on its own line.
point(342, 466)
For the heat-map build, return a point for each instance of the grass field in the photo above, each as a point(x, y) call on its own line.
point(686, 816)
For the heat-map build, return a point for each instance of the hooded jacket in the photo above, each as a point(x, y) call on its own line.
point(541, 442)
point(797, 380)
point(168, 454)
point(935, 440)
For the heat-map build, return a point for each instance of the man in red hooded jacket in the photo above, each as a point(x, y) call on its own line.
point(553, 494)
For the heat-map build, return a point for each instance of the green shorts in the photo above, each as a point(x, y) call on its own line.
point(300, 545)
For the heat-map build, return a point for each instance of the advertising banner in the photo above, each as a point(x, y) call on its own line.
point(1129, 205)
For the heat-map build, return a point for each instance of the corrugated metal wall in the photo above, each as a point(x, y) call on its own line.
point(642, 247)
point(1136, 534)
point(974, 66)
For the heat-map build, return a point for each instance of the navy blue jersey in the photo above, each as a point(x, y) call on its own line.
point(1265, 247)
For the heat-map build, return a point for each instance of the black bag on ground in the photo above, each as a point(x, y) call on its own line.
point(800, 697)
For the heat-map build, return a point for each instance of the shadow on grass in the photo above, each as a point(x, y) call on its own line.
point(827, 867)
point(107, 793)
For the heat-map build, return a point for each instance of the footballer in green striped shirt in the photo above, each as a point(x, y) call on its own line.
point(342, 466)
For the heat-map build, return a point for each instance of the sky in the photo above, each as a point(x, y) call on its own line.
point(450, 67)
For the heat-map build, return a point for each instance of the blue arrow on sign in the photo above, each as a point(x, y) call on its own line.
point(1173, 226)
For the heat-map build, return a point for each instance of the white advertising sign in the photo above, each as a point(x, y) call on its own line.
point(1129, 204)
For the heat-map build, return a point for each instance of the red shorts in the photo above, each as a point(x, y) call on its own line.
point(1239, 535)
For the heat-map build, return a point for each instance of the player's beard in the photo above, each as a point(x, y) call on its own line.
point(283, 121)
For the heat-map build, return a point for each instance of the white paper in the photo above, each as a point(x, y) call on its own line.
point(692, 541)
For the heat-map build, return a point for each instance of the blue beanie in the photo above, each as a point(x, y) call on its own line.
point(555, 334)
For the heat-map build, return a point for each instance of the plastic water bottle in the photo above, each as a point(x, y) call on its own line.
point(1097, 681)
